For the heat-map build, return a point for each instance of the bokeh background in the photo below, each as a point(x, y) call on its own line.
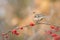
point(13, 12)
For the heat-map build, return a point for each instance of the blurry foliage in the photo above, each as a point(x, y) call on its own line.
point(19, 5)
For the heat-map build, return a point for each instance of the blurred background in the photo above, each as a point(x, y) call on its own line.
point(17, 13)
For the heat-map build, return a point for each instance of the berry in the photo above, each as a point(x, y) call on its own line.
point(54, 35)
point(57, 38)
point(32, 24)
point(49, 32)
point(14, 31)
point(6, 36)
point(57, 29)
point(52, 27)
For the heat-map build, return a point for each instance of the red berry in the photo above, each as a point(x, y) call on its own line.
point(57, 28)
point(14, 31)
point(6, 36)
point(52, 27)
point(49, 32)
point(54, 35)
point(32, 24)
point(57, 38)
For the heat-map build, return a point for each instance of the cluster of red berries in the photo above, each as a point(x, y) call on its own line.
point(4, 35)
point(14, 31)
point(55, 28)
point(55, 36)
point(17, 33)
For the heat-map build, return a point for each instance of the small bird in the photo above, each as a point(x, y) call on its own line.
point(38, 17)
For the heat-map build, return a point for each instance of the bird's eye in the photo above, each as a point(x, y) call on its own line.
point(37, 16)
